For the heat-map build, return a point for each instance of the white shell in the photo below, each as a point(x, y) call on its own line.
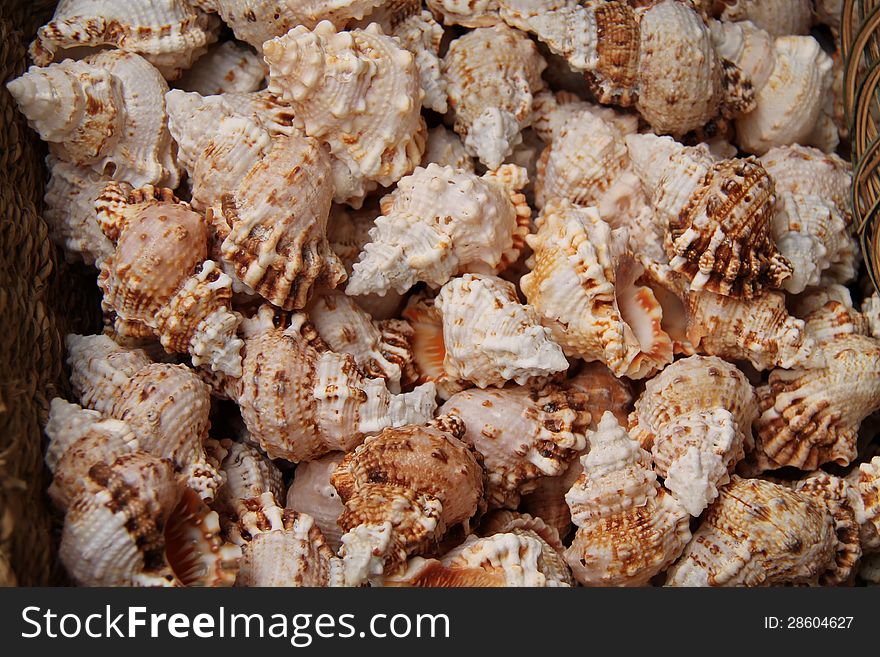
point(228, 67)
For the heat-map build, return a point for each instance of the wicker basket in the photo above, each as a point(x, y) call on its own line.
point(34, 313)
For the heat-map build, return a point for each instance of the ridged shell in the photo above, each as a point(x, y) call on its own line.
point(551, 111)
point(811, 415)
point(778, 17)
point(228, 67)
point(440, 222)
point(312, 493)
point(166, 406)
point(293, 554)
point(300, 401)
point(171, 34)
point(865, 481)
point(629, 527)
point(748, 47)
point(70, 211)
point(445, 149)
point(429, 346)
point(828, 312)
point(402, 488)
point(359, 93)
point(551, 563)
point(159, 279)
point(106, 112)
point(490, 337)
point(583, 285)
point(757, 534)
point(523, 433)
point(492, 74)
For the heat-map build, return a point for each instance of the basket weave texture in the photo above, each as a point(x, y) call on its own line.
point(36, 310)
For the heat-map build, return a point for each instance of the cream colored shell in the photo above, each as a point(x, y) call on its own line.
point(312, 493)
point(227, 67)
point(778, 17)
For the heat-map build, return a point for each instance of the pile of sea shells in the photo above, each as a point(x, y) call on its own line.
point(485, 293)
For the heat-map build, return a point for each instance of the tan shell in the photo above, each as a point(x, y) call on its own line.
point(747, 46)
point(865, 480)
point(256, 21)
point(301, 401)
point(811, 415)
point(523, 433)
point(445, 149)
point(166, 406)
point(291, 554)
point(440, 222)
point(133, 525)
point(159, 280)
point(70, 211)
point(106, 112)
point(629, 527)
point(583, 285)
point(492, 74)
point(490, 337)
point(429, 346)
point(828, 312)
point(778, 17)
point(312, 493)
point(383, 350)
point(78, 439)
point(871, 311)
point(551, 111)
point(402, 488)
point(359, 93)
point(757, 534)
point(227, 67)
point(170, 34)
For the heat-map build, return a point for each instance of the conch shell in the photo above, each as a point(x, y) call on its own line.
point(159, 280)
point(490, 337)
point(629, 527)
point(170, 34)
point(523, 433)
point(696, 419)
point(106, 112)
point(583, 285)
point(492, 74)
point(757, 534)
point(301, 401)
point(134, 525)
point(228, 67)
point(403, 489)
point(811, 414)
point(440, 222)
point(311, 493)
point(357, 92)
point(166, 406)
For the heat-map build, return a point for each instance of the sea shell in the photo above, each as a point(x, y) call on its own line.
point(838, 497)
point(159, 281)
point(171, 34)
point(70, 211)
point(277, 217)
point(133, 525)
point(828, 12)
point(358, 92)
point(629, 527)
point(292, 553)
point(757, 534)
point(445, 149)
point(228, 67)
point(811, 414)
point(312, 493)
point(828, 312)
point(382, 350)
point(583, 285)
point(429, 346)
point(106, 112)
point(551, 111)
point(401, 489)
point(778, 17)
point(865, 481)
point(492, 74)
point(166, 406)
point(440, 222)
point(871, 311)
point(490, 337)
point(256, 21)
point(792, 101)
point(747, 46)
point(78, 439)
point(523, 433)
point(300, 401)
point(695, 417)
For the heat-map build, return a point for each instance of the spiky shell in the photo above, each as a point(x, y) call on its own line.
point(106, 112)
point(811, 414)
point(312, 493)
point(170, 34)
point(583, 285)
point(440, 222)
point(492, 74)
point(359, 93)
point(757, 534)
